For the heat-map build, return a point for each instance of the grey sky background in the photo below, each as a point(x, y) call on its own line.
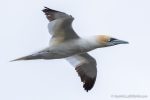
point(122, 69)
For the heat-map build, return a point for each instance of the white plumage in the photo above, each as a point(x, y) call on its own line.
point(65, 43)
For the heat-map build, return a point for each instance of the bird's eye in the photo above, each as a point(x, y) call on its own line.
point(111, 39)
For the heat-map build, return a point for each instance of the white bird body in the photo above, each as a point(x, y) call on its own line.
point(74, 46)
point(65, 43)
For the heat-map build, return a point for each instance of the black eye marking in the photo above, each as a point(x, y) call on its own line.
point(112, 39)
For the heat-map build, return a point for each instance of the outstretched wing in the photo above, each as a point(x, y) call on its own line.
point(85, 65)
point(60, 25)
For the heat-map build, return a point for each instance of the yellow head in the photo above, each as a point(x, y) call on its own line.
point(105, 40)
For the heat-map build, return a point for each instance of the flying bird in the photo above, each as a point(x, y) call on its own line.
point(65, 43)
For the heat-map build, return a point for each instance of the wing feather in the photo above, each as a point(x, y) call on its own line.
point(85, 65)
point(60, 25)
point(54, 14)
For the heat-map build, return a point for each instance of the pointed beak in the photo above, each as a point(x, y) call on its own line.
point(120, 42)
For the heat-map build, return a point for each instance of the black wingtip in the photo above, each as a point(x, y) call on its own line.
point(46, 9)
point(88, 85)
point(88, 82)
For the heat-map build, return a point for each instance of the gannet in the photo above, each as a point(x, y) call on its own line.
point(65, 43)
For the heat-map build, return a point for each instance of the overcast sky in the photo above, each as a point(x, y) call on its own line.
point(122, 69)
